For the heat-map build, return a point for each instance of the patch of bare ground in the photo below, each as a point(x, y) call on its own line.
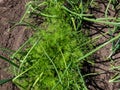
point(11, 12)
point(102, 64)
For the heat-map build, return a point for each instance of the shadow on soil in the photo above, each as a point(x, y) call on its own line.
point(100, 71)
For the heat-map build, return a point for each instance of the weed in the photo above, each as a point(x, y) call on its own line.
point(53, 59)
point(59, 47)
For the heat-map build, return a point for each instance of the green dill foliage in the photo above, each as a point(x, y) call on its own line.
point(52, 64)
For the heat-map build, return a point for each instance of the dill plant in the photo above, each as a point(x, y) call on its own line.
point(52, 62)
point(58, 48)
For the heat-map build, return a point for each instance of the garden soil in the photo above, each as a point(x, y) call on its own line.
point(12, 10)
point(102, 63)
point(10, 13)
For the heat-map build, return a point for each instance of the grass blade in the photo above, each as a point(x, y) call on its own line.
point(5, 81)
point(9, 61)
point(99, 47)
point(115, 78)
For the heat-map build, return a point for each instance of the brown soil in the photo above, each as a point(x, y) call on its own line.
point(10, 12)
point(102, 64)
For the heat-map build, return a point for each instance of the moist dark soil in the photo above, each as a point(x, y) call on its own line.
point(12, 10)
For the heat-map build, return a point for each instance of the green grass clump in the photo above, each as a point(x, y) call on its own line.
point(52, 62)
point(55, 55)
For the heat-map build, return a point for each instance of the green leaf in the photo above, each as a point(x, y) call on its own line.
point(9, 61)
point(5, 81)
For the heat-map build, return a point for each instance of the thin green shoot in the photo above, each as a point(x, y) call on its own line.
point(19, 75)
point(13, 56)
point(5, 81)
point(99, 47)
point(37, 80)
point(23, 61)
point(115, 78)
point(84, 17)
point(81, 78)
point(53, 88)
point(106, 11)
point(53, 64)
point(9, 61)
